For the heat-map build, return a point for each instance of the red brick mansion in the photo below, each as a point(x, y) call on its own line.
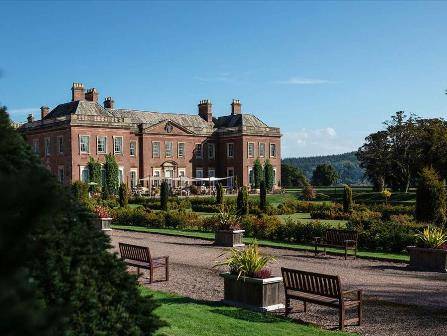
point(150, 143)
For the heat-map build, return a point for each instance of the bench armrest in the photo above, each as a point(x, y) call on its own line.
point(359, 293)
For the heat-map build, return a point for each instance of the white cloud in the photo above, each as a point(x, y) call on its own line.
point(21, 113)
point(312, 142)
point(304, 81)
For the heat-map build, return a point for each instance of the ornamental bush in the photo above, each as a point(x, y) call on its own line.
point(95, 174)
point(263, 196)
point(258, 174)
point(219, 194)
point(58, 276)
point(111, 177)
point(347, 198)
point(430, 198)
point(123, 195)
point(164, 195)
point(242, 201)
point(309, 193)
point(268, 175)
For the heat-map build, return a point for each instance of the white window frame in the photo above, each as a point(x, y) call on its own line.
point(121, 152)
point(81, 169)
point(181, 155)
point(230, 181)
point(274, 176)
point(248, 149)
point(159, 150)
point(211, 170)
point(80, 144)
point(211, 146)
point(228, 150)
point(270, 150)
point(133, 170)
point(261, 153)
point(169, 154)
point(196, 156)
point(251, 179)
point(36, 146)
point(60, 144)
point(47, 143)
point(135, 148)
point(105, 144)
point(121, 169)
point(181, 170)
point(199, 170)
point(156, 183)
point(61, 169)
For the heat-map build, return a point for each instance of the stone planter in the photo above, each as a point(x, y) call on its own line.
point(252, 293)
point(427, 259)
point(103, 224)
point(232, 238)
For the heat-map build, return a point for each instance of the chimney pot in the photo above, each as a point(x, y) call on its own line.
point(77, 92)
point(109, 103)
point(206, 110)
point(44, 111)
point(92, 95)
point(30, 118)
point(236, 107)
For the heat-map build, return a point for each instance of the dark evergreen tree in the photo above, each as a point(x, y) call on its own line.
point(164, 195)
point(269, 175)
point(292, 177)
point(58, 276)
point(347, 198)
point(430, 198)
point(123, 195)
point(258, 174)
point(219, 194)
point(95, 174)
point(111, 176)
point(79, 191)
point(242, 201)
point(263, 196)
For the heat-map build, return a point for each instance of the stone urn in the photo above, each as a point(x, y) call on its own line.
point(428, 259)
point(252, 293)
point(229, 238)
point(103, 224)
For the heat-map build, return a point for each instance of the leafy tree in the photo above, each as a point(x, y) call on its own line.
point(430, 198)
point(219, 194)
point(164, 195)
point(292, 176)
point(242, 201)
point(263, 196)
point(58, 276)
point(79, 190)
point(123, 195)
point(111, 176)
point(258, 174)
point(347, 198)
point(268, 175)
point(95, 174)
point(324, 175)
point(374, 157)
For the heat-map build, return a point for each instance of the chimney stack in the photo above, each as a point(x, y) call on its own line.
point(77, 92)
point(30, 118)
point(205, 110)
point(44, 111)
point(92, 95)
point(236, 107)
point(109, 103)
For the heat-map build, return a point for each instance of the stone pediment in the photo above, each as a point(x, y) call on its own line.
point(167, 127)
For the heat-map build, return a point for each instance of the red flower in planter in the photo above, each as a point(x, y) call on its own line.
point(102, 212)
point(443, 247)
point(263, 274)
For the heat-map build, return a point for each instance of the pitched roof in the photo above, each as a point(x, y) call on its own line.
point(237, 120)
point(78, 107)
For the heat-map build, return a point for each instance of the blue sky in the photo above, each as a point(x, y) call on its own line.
point(326, 73)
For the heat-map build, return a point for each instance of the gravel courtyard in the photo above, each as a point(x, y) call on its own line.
point(397, 301)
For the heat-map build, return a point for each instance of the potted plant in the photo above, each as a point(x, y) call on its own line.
point(430, 254)
point(228, 230)
point(249, 282)
point(103, 218)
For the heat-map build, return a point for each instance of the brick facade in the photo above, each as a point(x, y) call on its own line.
point(57, 139)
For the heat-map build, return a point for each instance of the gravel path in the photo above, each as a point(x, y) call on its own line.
point(397, 301)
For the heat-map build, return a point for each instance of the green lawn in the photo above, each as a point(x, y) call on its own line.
point(268, 243)
point(187, 317)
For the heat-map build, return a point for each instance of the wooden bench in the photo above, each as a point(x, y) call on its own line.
point(140, 257)
point(346, 239)
point(321, 289)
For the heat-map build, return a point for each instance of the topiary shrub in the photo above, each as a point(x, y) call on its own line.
point(430, 198)
point(58, 275)
point(95, 175)
point(268, 175)
point(111, 181)
point(258, 174)
point(79, 190)
point(219, 194)
point(164, 195)
point(123, 194)
point(242, 201)
point(263, 196)
point(347, 198)
point(309, 193)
